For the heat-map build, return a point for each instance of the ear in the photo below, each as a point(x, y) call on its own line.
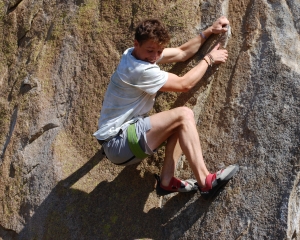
point(136, 43)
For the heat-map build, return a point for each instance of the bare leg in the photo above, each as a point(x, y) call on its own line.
point(178, 126)
point(172, 154)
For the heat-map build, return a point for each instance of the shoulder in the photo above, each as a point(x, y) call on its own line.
point(134, 68)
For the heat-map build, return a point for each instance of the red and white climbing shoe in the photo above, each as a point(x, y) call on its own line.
point(217, 180)
point(175, 185)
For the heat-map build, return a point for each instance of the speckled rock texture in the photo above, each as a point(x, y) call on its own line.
point(56, 59)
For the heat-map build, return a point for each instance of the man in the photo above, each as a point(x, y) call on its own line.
point(128, 135)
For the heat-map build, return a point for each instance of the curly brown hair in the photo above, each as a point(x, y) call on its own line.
point(152, 29)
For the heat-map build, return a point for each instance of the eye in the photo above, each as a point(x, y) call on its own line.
point(150, 51)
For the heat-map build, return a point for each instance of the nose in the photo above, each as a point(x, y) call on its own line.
point(155, 55)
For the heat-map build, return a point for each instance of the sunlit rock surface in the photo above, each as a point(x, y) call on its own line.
point(56, 59)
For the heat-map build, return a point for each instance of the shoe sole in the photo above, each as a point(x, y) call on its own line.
point(222, 182)
point(231, 172)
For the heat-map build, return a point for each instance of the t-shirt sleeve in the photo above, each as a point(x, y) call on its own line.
point(152, 79)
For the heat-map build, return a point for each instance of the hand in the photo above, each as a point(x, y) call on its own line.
point(219, 55)
point(219, 26)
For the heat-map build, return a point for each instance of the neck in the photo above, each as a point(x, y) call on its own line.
point(134, 54)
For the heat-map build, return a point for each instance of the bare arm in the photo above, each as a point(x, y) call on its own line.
point(192, 77)
point(184, 52)
point(188, 49)
point(186, 82)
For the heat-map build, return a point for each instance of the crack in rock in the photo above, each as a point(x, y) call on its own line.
point(13, 6)
point(44, 129)
point(6, 233)
point(13, 122)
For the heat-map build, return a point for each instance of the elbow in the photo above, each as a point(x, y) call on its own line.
point(186, 87)
point(184, 58)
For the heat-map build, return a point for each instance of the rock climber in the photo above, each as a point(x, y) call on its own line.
point(128, 134)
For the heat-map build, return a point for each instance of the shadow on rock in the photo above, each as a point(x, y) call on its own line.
point(113, 210)
point(183, 217)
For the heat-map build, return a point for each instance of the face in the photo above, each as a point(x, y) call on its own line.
point(149, 51)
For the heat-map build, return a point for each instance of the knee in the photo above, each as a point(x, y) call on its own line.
point(186, 114)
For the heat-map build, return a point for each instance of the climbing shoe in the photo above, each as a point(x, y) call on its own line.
point(175, 185)
point(217, 180)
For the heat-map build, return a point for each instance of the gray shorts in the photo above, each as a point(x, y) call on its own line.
point(117, 149)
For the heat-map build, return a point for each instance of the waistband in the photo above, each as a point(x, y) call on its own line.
point(108, 139)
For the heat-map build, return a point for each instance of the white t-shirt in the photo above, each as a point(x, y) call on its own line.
point(130, 94)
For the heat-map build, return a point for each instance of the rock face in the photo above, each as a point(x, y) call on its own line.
point(56, 60)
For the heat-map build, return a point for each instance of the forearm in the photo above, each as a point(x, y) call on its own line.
point(186, 82)
point(186, 50)
point(192, 77)
point(192, 46)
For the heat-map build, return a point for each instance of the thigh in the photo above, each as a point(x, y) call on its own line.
point(165, 124)
point(117, 149)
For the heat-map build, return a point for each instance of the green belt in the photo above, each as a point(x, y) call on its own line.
point(134, 143)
